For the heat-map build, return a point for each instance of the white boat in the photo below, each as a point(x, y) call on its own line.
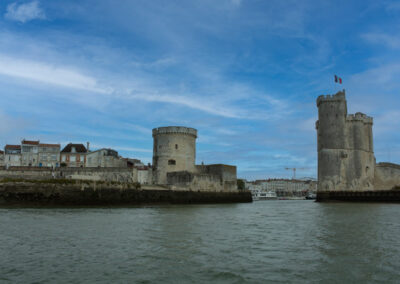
point(264, 195)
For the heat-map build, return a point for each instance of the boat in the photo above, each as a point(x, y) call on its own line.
point(264, 195)
point(311, 196)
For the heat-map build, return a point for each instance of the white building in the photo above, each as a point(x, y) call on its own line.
point(284, 187)
point(12, 156)
point(49, 155)
point(29, 153)
point(2, 158)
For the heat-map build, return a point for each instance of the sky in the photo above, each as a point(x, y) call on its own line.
point(244, 73)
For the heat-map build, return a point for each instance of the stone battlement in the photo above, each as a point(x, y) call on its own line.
point(359, 117)
point(175, 130)
point(338, 97)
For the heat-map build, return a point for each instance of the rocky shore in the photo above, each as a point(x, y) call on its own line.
point(48, 193)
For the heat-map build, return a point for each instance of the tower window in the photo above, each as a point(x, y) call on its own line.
point(176, 146)
point(171, 162)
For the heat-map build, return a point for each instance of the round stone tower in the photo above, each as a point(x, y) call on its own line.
point(174, 149)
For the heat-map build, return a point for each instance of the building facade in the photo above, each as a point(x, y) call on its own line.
point(49, 155)
point(104, 158)
point(1, 158)
point(29, 153)
point(12, 156)
point(73, 155)
point(284, 187)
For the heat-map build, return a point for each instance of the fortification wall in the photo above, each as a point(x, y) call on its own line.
point(92, 194)
point(199, 182)
point(387, 176)
point(174, 149)
point(94, 174)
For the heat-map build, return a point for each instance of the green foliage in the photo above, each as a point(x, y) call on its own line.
point(240, 184)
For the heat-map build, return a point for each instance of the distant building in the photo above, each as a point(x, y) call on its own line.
point(73, 155)
point(29, 153)
point(104, 158)
point(12, 155)
point(284, 187)
point(49, 155)
point(1, 158)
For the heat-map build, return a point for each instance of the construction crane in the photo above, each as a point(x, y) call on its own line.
point(294, 171)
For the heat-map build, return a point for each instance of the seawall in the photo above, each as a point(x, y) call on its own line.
point(360, 196)
point(44, 194)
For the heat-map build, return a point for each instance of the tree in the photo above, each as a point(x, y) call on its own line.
point(240, 184)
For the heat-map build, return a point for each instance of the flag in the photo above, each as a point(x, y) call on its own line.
point(338, 80)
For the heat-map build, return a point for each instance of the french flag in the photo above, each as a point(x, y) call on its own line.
point(338, 80)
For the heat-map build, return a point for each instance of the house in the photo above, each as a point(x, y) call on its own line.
point(49, 155)
point(104, 158)
point(1, 158)
point(12, 155)
point(29, 153)
point(73, 155)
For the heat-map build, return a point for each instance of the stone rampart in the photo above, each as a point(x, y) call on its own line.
point(92, 194)
point(175, 130)
point(387, 176)
point(94, 174)
point(340, 96)
point(214, 180)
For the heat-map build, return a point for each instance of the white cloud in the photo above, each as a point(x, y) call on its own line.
point(391, 41)
point(24, 12)
point(49, 74)
point(192, 103)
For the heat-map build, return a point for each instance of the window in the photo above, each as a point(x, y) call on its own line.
point(176, 146)
point(73, 150)
point(171, 162)
point(64, 158)
point(54, 157)
point(72, 159)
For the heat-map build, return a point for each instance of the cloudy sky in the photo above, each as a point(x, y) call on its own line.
point(245, 73)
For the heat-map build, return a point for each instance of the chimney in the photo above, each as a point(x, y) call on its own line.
point(87, 146)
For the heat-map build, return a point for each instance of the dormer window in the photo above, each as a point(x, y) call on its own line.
point(73, 150)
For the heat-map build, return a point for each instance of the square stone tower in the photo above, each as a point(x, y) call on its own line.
point(346, 158)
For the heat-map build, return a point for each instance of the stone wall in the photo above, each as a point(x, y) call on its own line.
point(387, 176)
point(94, 174)
point(206, 178)
point(92, 194)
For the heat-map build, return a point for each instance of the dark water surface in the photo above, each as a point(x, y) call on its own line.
point(267, 241)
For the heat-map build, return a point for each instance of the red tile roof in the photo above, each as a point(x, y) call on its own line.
point(13, 147)
point(27, 142)
point(1, 152)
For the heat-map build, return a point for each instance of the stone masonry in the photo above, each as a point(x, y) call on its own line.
point(346, 160)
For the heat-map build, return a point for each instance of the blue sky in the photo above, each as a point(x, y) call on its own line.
point(245, 73)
